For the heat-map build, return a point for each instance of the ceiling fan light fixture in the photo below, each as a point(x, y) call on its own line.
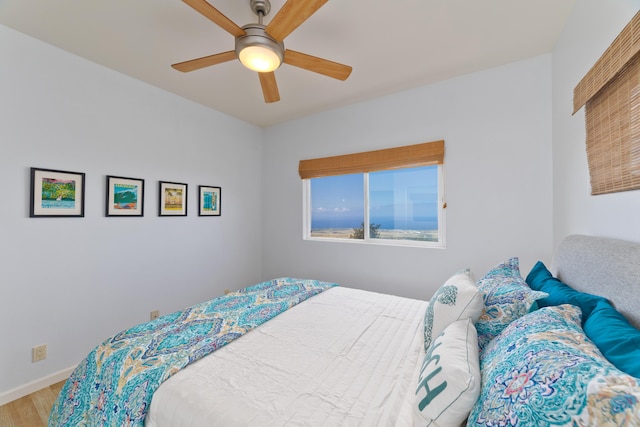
point(259, 58)
point(257, 50)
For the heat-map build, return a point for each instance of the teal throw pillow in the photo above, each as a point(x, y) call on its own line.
point(541, 279)
point(616, 338)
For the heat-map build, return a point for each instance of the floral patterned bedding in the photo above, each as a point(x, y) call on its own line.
point(543, 371)
point(114, 385)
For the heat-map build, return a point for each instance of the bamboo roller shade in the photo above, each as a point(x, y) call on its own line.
point(425, 154)
point(612, 61)
point(610, 91)
point(613, 134)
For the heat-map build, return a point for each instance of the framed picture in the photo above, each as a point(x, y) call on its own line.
point(125, 196)
point(173, 199)
point(210, 199)
point(56, 193)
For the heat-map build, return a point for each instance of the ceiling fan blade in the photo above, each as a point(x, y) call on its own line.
point(317, 65)
point(291, 15)
point(216, 16)
point(269, 87)
point(205, 61)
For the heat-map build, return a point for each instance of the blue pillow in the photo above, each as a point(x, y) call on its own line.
point(541, 279)
point(616, 338)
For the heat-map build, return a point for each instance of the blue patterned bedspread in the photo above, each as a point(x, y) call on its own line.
point(113, 386)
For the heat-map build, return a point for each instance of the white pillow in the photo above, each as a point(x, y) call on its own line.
point(458, 298)
point(449, 382)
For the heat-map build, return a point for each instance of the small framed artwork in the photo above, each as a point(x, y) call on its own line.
point(173, 199)
point(56, 193)
point(125, 196)
point(210, 199)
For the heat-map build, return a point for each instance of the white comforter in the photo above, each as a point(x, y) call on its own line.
point(344, 357)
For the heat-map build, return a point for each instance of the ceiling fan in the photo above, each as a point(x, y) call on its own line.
point(260, 48)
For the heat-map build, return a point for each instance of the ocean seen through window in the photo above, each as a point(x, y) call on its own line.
point(385, 206)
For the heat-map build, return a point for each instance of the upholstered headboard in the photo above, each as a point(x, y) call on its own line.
point(602, 266)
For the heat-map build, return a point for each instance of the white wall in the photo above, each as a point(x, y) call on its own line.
point(70, 282)
point(497, 129)
point(591, 28)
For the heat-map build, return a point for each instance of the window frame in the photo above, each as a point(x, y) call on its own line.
point(440, 244)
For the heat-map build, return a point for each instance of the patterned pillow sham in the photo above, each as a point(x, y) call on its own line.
point(458, 298)
point(507, 297)
point(542, 370)
point(449, 382)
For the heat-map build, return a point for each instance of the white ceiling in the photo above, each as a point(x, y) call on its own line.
point(392, 45)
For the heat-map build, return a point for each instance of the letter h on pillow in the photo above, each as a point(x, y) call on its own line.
point(449, 382)
point(429, 370)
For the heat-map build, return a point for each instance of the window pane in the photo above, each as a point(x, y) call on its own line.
point(403, 204)
point(337, 206)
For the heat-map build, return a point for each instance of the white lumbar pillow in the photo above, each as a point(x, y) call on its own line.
point(449, 382)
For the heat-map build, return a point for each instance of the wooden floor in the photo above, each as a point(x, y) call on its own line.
point(32, 410)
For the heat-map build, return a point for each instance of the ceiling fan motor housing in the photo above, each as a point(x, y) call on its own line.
point(255, 35)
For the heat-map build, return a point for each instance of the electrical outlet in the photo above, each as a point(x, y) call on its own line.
point(154, 314)
point(39, 353)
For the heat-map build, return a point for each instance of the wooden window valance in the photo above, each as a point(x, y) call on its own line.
point(611, 93)
point(425, 154)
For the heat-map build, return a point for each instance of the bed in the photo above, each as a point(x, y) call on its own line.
point(502, 350)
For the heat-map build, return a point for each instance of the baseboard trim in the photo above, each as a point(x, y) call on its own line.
point(18, 392)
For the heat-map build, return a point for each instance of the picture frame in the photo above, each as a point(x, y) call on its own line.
point(56, 193)
point(125, 196)
point(209, 200)
point(172, 199)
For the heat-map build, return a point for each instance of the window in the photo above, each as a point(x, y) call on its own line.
point(336, 205)
point(399, 205)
